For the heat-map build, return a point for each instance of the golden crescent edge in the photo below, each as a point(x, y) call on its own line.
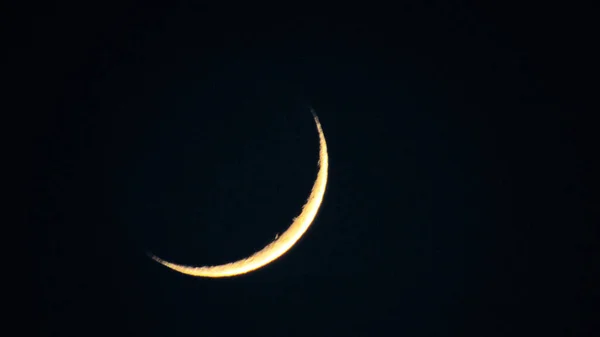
point(283, 243)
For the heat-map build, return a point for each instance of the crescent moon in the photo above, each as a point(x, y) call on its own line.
point(283, 242)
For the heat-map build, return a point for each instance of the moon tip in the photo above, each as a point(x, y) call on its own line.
point(153, 257)
point(315, 117)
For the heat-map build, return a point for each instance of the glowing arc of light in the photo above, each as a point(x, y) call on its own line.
point(281, 244)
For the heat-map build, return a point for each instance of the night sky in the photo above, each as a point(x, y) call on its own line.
point(455, 202)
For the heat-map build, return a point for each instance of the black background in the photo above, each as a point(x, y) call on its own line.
point(455, 204)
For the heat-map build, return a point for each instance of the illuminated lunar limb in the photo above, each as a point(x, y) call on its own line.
point(283, 242)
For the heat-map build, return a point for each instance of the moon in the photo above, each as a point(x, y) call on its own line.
point(283, 242)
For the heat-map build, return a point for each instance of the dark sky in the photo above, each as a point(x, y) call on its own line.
point(455, 204)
